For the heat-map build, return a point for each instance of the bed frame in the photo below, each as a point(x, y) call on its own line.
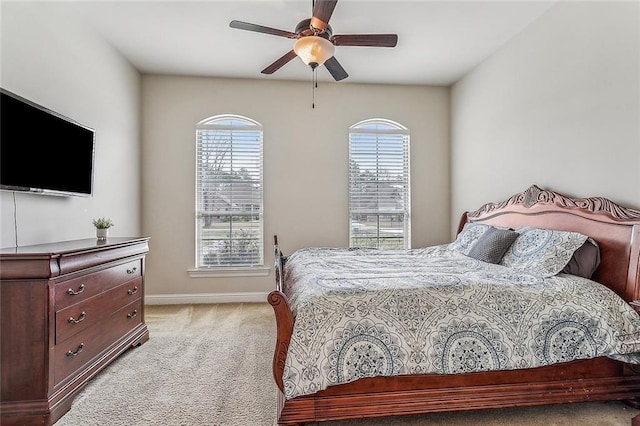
point(617, 231)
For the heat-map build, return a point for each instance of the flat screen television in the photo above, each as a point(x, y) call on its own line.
point(42, 151)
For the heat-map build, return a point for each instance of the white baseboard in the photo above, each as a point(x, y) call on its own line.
point(197, 298)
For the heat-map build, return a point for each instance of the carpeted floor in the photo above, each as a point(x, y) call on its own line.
point(211, 365)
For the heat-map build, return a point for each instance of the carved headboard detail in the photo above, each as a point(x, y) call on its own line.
point(535, 195)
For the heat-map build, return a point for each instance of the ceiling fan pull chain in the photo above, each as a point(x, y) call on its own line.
point(314, 84)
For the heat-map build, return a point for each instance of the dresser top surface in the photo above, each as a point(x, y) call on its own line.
point(64, 247)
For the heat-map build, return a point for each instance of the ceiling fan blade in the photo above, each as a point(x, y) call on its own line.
point(262, 29)
point(335, 69)
point(279, 63)
point(373, 40)
point(322, 12)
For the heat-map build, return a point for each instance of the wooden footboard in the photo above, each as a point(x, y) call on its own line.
point(600, 379)
point(284, 325)
point(284, 317)
point(616, 229)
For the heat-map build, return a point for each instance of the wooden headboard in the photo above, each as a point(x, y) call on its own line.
point(616, 229)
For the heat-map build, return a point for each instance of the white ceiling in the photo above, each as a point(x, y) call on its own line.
point(438, 41)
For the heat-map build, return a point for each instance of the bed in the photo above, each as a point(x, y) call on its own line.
point(502, 379)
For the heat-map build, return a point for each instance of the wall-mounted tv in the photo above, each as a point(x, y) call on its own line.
point(42, 151)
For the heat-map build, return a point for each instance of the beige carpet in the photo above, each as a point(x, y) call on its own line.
point(211, 365)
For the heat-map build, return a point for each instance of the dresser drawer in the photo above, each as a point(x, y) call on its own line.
point(78, 289)
point(80, 316)
point(75, 352)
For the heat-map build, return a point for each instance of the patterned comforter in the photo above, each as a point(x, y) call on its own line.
point(362, 313)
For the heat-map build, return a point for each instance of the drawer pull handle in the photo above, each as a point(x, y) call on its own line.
point(76, 292)
point(80, 318)
point(133, 290)
point(77, 351)
point(133, 314)
point(132, 270)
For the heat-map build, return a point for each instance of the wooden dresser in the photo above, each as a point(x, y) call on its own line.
point(68, 309)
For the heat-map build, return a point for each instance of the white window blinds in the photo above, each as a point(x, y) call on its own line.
point(229, 192)
point(379, 193)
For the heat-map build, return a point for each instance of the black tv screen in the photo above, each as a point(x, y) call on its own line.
point(42, 151)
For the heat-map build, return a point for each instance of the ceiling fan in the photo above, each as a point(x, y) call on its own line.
point(315, 40)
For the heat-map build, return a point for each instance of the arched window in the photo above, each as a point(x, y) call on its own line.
point(379, 193)
point(229, 186)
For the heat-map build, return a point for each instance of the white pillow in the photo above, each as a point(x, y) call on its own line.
point(468, 236)
point(543, 252)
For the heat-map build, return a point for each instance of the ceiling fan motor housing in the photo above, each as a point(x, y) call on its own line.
point(304, 29)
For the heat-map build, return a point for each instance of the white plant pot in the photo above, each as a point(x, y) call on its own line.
point(102, 234)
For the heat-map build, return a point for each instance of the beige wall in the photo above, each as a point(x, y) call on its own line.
point(49, 58)
point(558, 106)
point(305, 165)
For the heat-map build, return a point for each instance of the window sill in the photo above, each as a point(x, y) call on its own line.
point(226, 272)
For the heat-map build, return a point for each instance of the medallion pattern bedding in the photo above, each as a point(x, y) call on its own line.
point(366, 312)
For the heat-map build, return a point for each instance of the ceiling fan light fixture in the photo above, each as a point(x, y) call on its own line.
point(313, 50)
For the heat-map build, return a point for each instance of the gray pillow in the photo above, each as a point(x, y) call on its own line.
point(492, 245)
point(584, 261)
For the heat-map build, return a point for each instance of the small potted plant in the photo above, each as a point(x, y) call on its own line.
point(102, 225)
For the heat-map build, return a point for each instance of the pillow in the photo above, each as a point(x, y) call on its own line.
point(542, 252)
point(584, 261)
point(468, 236)
point(493, 244)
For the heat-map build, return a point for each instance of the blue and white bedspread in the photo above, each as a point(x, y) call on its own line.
point(362, 313)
